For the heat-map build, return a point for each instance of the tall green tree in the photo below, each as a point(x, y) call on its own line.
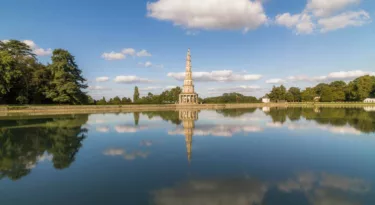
point(326, 94)
point(67, 80)
point(277, 93)
point(296, 92)
point(339, 89)
point(16, 67)
point(308, 95)
point(361, 88)
point(136, 94)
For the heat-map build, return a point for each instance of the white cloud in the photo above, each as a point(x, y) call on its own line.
point(124, 53)
point(210, 14)
point(170, 87)
point(341, 75)
point(5, 41)
point(146, 64)
point(97, 88)
point(301, 23)
point(36, 49)
point(322, 14)
point(238, 89)
point(151, 88)
point(275, 81)
point(113, 56)
point(327, 7)
point(219, 76)
point(143, 53)
point(344, 20)
point(128, 51)
point(102, 79)
point(131, 79)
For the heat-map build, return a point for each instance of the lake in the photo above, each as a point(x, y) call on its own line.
point(268, 156)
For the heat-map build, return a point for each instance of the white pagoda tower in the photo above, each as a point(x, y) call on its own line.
point(188, 96)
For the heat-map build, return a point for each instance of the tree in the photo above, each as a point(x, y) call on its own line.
point(116, 101)
point(318, 88)
point(326, 94)
point(289, 97)
point(308, 95)
point(361, 88)
point(277, 93)
point(136, 94)
point(296, 92)
point(16, 68)
point(102, 101)
point(339, 89)
point(67, 80)
point(125, 100)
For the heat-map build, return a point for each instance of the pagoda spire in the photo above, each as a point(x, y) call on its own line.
point(188, 61)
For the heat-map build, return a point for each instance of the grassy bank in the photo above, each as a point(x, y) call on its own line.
point(68, 109)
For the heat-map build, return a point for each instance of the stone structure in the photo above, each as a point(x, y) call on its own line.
point(188, 95)
point(188, 118)
point(369, 100)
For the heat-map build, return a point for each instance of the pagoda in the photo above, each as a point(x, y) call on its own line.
point(188, 96)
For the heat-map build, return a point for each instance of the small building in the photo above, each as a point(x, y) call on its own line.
point(369, 100)
point(266, 100)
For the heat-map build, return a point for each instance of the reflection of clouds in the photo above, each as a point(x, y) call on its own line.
point(212, 192)
point(146, 143)
point(326, 189)
point(114, 152)
point(274, 124)
point(41, 158)
point(218, 130)
point(129, 128)
point(309, 125)
point(340, 130)
point(125, 154)
point(344, 183)
point(102, 129)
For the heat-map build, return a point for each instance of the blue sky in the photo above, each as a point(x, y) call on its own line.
point(242, 45)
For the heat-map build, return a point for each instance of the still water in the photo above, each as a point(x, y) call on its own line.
point(263, 156)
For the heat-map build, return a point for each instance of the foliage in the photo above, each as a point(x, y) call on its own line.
point(231, 98)
point(277, 93)
point(337, 91)
point(23, 80)
point(67, 82)
point(136, 94)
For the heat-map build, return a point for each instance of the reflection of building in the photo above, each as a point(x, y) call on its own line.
point(188, 96)
point(188, 118)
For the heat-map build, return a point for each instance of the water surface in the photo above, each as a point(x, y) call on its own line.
point(276, 156)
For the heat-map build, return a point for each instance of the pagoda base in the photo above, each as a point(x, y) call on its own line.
point(188, 99)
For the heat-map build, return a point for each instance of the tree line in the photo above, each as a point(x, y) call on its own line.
point(24, 80)
point(337, 91)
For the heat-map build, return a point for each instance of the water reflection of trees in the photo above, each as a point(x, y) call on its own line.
point(356, 118)
point(235, 112)
point(24, 142)
point(169, 116)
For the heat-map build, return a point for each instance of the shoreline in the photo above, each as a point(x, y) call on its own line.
point(86, 109)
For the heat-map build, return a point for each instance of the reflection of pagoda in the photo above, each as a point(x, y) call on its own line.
point(188, 118)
